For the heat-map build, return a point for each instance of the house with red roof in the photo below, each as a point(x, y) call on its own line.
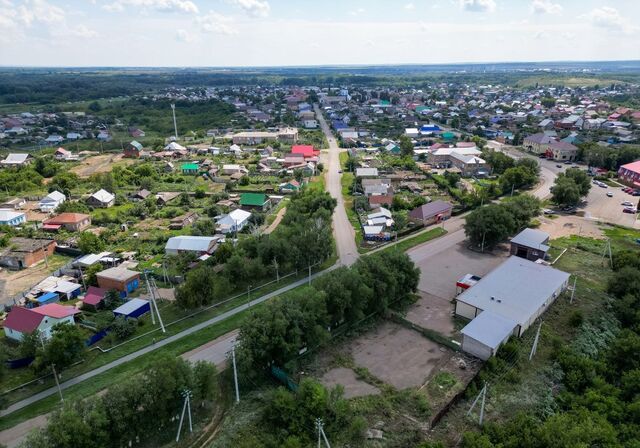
point(307, 151)
point(21, 321)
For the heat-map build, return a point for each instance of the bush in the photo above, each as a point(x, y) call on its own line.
point(576, 318)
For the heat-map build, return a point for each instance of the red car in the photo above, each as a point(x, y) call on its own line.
point(629, 210)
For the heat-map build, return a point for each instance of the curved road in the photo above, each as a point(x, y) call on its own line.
point(342, 229)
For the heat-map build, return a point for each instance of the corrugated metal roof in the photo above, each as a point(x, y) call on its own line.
point(489, 328)
point(131, 306)
point(532, 238)
point(191, 243)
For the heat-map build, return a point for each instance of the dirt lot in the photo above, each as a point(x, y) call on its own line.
point(398, 356)
point(15, 282)
point(432, 312)
point(33, 212)
point(99, 164)
point(566, 225)
point(353, 387)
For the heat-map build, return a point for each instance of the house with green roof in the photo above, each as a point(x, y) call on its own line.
point(189, 168)
point(448, 135)
point(255, 201)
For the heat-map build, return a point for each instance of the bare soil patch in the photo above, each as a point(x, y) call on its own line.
point(347, 378)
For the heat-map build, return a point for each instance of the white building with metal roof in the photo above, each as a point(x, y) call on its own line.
point(518, 291)
point(186, 243)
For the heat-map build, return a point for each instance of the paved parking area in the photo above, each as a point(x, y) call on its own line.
point(439, 272)
point(602, 208)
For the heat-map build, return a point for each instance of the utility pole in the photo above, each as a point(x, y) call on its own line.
point(235, 372)
point(249, 294)
point(573, 290)
point(482, 394)
point(309, 273)
point(53, 368)
point(275, 263)
point(534, 347)
point(483, 236)
point(187, 405)
point(155, 304)
point(512, 187)
point(175, 125)
point(321, 435)
point(607, 248)
point(146, 280)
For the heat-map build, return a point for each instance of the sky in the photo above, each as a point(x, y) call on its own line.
point(219, 33)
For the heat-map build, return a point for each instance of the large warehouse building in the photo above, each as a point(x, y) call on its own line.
point(514, 294)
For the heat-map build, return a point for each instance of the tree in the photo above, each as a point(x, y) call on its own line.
point(91, 274)
point(565, 191)
point(406, 147)
point(90, 243)
point(487, 226)
point(111, 300)
point(122, 327)
point(581, 179)
point(66, 346)
point(498, 161)
point(548, 102)
point(523, 208)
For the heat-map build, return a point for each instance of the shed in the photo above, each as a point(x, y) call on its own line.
point(431, 213)
point(254, 201)
point(486, 333)
point(94, 296)
point(531, 244)
point(132, 308)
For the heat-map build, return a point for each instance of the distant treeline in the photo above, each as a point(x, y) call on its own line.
point(55, 86)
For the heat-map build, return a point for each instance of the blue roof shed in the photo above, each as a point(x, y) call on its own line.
point(133, 308)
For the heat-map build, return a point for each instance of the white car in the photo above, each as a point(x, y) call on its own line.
point(609, 194)
point(627, 204)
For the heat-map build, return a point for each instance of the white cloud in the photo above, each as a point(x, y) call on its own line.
point(478, 5)
point(357, 12)
point(253, 8)
point(37, 11)
point(217, 23)
point(185, 6)
point(184, 36)
point(545, 7)
point(409, 6)
point(610, 18)
point(83, 31)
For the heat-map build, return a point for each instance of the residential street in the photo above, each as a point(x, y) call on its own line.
point(342, 229)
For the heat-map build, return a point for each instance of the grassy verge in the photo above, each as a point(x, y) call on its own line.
point(412, 241)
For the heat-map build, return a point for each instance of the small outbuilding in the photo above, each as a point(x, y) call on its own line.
point(531, 244)
point(133, 308)
point(431, 213)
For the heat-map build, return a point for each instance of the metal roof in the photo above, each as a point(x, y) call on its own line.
point(192, 243)
point(532, 238)
point(118, 273)
point(489, 328)
point(516, 289)
point(131, 306)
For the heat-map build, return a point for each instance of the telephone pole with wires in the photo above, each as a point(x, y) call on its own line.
point(185, 407)
point(321, 435)
point(482, 395)
point(534, 347)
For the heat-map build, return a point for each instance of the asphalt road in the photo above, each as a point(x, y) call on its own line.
point(343, 232)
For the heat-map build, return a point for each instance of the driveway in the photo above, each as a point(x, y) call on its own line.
point(343, 231)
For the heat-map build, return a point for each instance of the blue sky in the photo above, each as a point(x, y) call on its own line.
point(313, 32)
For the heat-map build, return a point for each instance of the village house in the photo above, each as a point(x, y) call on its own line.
point(235, 221)
point(255, 201)
point(72, 222)
point(101, 199)
point(431, 213)
point(123, 280)
point(181, 221)
point(41, 320)
point(133, 150)
point(14, 203)
point(23, 253)
point(199, 245)
point(10, 217)
point(51, 201)
point(64, 155)
point(17, 160)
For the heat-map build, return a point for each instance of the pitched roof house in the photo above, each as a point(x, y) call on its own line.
point(21, 321)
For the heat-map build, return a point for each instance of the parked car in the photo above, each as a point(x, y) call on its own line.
point(629, 210)
point(548, 211)
point(558, 165)
point(602, 185)
point(609, 194)
point(627, 203)
point(568, 162)
point(636, 193)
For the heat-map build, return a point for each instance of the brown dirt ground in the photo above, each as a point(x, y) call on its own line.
point(566, 225)
point(353, 387)
point(100, 164)
point(398, 356)
point(432, 312)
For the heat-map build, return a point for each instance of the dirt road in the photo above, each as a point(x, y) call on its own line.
point(99, 164)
